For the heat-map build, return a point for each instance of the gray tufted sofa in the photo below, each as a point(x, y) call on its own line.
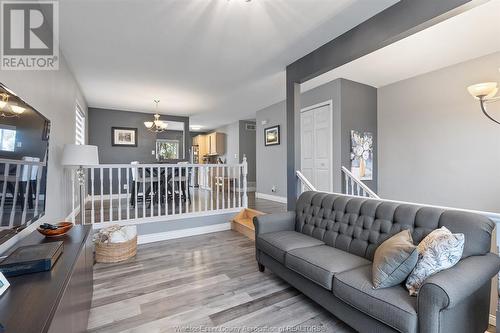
point(325, 249)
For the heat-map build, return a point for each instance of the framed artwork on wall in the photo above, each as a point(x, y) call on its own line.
point(272, 136)
point(362, 155)
point(123, 137)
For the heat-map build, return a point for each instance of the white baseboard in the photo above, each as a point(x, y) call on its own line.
point(493, 320)
point(270, 197)
point(161, 236)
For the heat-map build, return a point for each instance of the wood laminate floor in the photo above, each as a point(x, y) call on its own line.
point(207, 283)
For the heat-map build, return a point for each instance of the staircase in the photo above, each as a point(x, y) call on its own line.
point(243, 222)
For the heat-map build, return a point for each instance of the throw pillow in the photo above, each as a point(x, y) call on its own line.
point(438, 251)
point(394, 259)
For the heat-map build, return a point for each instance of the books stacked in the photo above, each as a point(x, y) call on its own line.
point(31, 259)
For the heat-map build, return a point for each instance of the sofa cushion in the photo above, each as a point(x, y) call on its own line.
point(392, 306)
point(276, 244)
point(321, 263)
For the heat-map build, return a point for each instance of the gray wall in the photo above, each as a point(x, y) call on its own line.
point(359, 112)
point(54, 94)
point(101, 121)
point(354, 107)
point(239, 141)
point(247, 148)
point(232, 142)
point(435, 145)
point(271, 160)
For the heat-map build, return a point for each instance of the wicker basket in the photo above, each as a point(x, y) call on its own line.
point(115, 252)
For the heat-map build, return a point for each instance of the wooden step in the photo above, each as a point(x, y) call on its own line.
point(243, 222)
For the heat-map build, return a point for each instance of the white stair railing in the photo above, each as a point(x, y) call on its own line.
point(305, 184)
point(354, 186)
point(140, 193)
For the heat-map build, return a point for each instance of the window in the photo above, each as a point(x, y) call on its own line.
point(167, 150)
point(79, 126)
point(7, 138)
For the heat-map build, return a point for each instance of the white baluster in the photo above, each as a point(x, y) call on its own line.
point(165, 175)
point(119, 174)
point(110, 194)
point(211, 189)
point(245, 172)
point(92, 218)
point(234, 186)
point(239, 185)
point(217, 186)
point(4, 190)
point(101, 180)
point(186, 187)
point(37, 194)
point(151, 196)
point(158, 190)
point(172, 180)
point(26, 192)
point(222, 181)
point(143, 192)
point(127, 170)
point(14, 200)
point(346, 183)
point(135, 171)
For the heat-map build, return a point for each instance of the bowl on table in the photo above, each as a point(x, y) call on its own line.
point(54, 230)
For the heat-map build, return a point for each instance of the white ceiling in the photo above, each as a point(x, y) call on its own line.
point(216, 60)
point(467, 36)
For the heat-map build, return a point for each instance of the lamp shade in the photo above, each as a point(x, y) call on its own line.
point(76, 155)
point(485, 89)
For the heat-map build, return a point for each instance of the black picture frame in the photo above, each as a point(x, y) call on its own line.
point(114, 143)
point(267, 141)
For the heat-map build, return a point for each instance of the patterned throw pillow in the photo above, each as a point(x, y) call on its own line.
point(438, 251)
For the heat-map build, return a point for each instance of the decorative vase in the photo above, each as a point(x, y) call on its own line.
point(362, 167)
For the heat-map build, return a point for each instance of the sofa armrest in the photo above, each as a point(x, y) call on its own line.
point(274, 222)
point(453, 286)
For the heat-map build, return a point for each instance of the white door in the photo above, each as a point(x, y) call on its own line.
point(316, 146)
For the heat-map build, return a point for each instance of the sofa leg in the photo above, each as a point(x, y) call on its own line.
point(262, 268)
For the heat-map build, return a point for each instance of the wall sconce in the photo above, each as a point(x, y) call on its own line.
point(485, 93)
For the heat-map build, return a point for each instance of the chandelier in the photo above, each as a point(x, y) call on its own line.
point(156, 125)
point(485, 92)
point(9, 109)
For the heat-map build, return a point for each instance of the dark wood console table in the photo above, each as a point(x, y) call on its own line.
point(54, 301)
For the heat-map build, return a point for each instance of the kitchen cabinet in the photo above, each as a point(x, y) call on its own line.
point(216, 144)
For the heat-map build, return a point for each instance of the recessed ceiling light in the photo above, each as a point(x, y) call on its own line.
point(195, 127)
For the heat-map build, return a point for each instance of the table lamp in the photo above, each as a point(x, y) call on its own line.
point(80, 156)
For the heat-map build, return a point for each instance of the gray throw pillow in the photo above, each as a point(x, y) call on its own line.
point(394, 260)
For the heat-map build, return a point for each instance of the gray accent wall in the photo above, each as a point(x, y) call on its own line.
point(271, 160)
point(354, 107)
point(435, 144)
point(247, 148)
point(102, 120)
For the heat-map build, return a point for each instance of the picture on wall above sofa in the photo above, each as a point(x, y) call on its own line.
point(362, 155)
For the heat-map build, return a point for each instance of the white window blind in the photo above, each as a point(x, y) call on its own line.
point(79, 126)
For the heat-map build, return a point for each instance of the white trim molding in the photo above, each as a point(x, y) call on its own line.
point(493, 320)
point(270, 197)
point(161, 236)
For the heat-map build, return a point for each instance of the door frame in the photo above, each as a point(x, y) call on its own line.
point(328, 103)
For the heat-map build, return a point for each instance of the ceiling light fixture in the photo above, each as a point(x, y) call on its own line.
point(156, 125)
point(15, 110)
point(485, 92)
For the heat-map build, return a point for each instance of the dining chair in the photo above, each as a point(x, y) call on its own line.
point(183, 177)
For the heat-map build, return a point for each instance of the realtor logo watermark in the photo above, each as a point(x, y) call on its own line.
point(30, 35)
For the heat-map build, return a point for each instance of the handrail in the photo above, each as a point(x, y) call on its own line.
point(305, 182)
point(359, 183)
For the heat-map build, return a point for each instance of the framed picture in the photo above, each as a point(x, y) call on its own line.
point(362, 155)
point(124, 136)
point(4, 284)
point(272, 136)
